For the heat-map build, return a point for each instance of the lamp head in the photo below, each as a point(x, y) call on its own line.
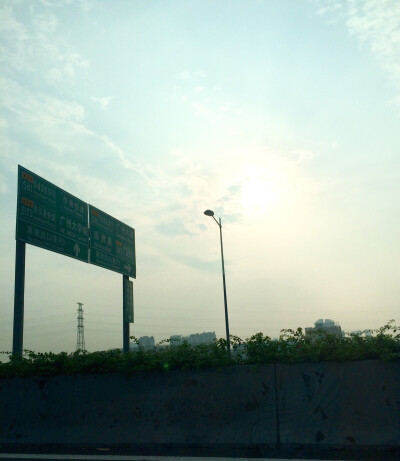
point(209, 213)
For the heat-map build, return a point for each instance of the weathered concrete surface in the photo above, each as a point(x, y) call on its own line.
point(228, 406)
point(317, 405)
point(339, 404)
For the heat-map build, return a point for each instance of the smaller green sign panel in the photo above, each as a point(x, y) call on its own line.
point(128, 301)
point(50, 217)
point(112, 243)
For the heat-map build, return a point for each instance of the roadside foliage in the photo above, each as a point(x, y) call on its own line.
point(292, 346)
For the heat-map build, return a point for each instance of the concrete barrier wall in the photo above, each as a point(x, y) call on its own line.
point(356, 403)
point(231, 405)
point(322, 404)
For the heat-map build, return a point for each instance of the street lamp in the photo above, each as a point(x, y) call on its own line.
point(211, 213)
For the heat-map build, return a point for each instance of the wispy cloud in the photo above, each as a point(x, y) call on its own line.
point(233, 131)
point(229, 107)
point(35, 46)
point(184, 75)
point(378, 23)
point(303, 155)
point(104, 101)
point(3, 184)
point(38, 107)
point(173, 228)
point(14, 35)
point(59, 125)
point(373, 22)
point(199, 108)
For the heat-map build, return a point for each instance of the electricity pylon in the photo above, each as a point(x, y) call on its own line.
point(80, 335)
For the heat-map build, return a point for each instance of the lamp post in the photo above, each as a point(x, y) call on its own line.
point(211, 213)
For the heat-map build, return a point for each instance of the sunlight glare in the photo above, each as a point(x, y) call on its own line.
point(260, 190)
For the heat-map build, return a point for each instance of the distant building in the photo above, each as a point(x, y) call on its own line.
point(365, 333)
point(175, 340)
point(325, 326)
point(147, 343)
point(194, 340)
point(202, 338)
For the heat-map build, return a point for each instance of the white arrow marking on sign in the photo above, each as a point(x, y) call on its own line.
point(77, 249)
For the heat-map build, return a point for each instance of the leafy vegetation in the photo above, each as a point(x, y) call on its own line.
point(292, 346)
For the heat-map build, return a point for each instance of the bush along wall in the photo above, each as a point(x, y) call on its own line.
point(292, 346)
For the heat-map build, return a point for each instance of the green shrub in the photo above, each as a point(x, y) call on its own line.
point(291, 346)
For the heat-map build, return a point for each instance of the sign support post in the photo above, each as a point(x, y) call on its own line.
point(125, 331)
point(19, 291)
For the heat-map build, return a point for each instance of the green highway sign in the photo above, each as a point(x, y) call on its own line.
point(112, 243)
point(53, 219)
point(128, 301)
point(50, 217)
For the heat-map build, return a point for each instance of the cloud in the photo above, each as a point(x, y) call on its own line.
point(38, 112)
point(67, 66)
point(38, 107)
point(3, 184)
point(302, 155)
point(328, 6)
point(173, 228)
point(185, 75)
point(378, 23)
point(14, 35)
point(232, 131)
point(38, 123)
point(36, 48)
point(200, 74)
point(374, 22)
point(229, 107)
point(200, 109)
point(126, 163)
point(104, 102)
point(189, 260)
point(85, 5)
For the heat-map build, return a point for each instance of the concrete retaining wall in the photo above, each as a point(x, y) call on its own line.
point(355, 403)
point(323, 404)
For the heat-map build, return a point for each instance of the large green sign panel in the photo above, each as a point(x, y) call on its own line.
point(112, 243)
point(50, 217)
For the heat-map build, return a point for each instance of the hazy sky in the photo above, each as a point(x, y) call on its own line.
point(283, 116)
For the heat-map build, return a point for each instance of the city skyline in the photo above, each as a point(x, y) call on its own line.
point(281, 117)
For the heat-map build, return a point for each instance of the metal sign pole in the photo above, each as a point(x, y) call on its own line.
point(124, 321)
point(19, 291)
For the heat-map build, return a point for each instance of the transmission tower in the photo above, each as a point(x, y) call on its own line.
point(80, 335)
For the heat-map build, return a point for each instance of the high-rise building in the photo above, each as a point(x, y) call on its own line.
point(175, 340)
point(325, 326)
point(201, 338)
point(146, 342)
point(194, 339)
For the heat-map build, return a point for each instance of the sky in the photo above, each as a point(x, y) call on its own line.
point(282, 116)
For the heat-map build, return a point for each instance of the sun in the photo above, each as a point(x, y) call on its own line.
point(259, 190)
